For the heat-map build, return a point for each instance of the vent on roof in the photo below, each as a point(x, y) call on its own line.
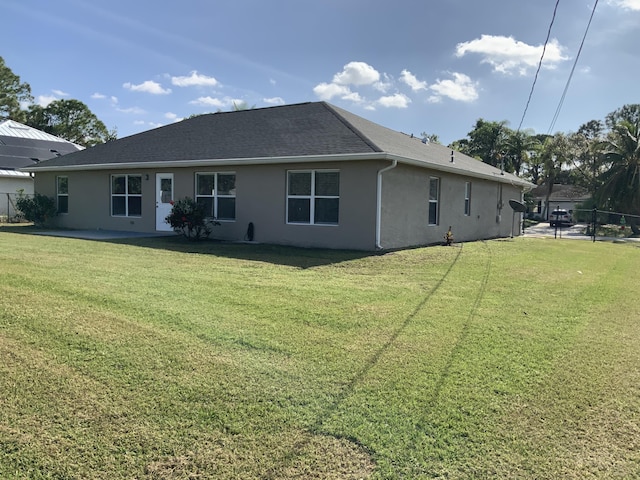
point(36, 160)
point(53, 150)
point(452, 157)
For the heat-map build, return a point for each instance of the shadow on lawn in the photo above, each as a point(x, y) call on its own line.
point(259, 252)
point(276, 254)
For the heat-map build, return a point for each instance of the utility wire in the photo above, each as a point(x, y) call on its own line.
point(564, 93)
point(544, 48)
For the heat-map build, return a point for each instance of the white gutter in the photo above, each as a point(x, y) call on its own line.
point(394, 164)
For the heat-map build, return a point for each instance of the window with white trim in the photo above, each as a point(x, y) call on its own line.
point(216, 192)
point(62, 194)
point(126, 195)
point(313, 197)
point(467, 198)
point(434, 197)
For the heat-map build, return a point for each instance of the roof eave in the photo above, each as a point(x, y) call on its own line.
point(453, 168)
point(456, 169)
point(210, 162)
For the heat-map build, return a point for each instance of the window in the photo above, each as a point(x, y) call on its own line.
point(62, 194)
point(467, 198)
point(217, 193)
point(313, 197)
point(434, 195)
point(126, 195)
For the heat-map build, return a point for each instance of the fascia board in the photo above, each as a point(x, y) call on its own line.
point(495, 177)
point(212, 162)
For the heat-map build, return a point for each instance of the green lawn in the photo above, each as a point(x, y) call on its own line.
point(163, 359)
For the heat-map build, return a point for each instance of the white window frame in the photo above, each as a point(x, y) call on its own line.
point(467, 199)
point(312, 197)
point(215, 195)
point(58, 194)
point(126, 195)
point(433, 201)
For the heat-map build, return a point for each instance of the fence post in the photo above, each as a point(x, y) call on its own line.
point(594, 219)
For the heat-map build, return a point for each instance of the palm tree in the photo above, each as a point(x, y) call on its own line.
point(518, 147)
point(620, 188)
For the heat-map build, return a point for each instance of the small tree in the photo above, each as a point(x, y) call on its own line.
point(190, 219)
point(38, 209)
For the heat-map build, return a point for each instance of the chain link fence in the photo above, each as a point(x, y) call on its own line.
point(9, 212)
point(604, 223)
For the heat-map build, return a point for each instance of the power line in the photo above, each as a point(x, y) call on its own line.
point(544, 48)
point(564, 93)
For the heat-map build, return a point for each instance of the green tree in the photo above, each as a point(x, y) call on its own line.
point(518, 147)
point(587, 157)
point(620, 188)
point(555, 154)
point(486, 142)
point(13, 92)
point(430, 137)
point(71, 120)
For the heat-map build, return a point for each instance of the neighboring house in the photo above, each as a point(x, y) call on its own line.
point(565, 197)
point(22, 146)
point(310, 175)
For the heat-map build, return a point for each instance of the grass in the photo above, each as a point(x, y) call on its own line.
point(162, 359)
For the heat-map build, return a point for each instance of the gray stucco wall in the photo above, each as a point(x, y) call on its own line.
point(405, 212)
point(260, 198)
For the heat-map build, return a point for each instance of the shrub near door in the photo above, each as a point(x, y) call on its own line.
point(189, 218)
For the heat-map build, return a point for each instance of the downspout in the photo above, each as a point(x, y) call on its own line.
point(394, 164)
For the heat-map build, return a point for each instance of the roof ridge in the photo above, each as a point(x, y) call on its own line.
point(350, 126)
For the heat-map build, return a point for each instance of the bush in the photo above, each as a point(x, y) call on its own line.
point(38, 209)
point(190, 219)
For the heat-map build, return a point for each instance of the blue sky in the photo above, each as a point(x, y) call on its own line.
point(410, 65)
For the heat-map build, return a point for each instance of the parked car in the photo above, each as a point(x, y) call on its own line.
point(560, 218)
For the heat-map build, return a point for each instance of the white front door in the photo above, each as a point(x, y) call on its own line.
point(164, 200)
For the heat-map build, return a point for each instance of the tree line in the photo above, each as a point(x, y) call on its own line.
point(68, 119)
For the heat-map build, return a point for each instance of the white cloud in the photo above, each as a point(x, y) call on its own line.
point(131, 110)
point(408, 78)
point(45, 100)
point(173, 117)
point(274, 101)
point(226, 102)
point(194, 80)
point(98, 96)
point(399, 100)
point(629, 4)
point(507, 55)
point(149, 86)
point(139, 122)
point(461, 88)
point(60, 93)
point(357, 73)
point(326, 91)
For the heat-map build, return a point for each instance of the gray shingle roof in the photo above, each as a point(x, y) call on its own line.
point(315, 129)
point(22, 146)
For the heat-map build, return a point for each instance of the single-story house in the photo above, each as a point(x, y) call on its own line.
point(565, 197)
point(20, 147)
point(308, 174)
